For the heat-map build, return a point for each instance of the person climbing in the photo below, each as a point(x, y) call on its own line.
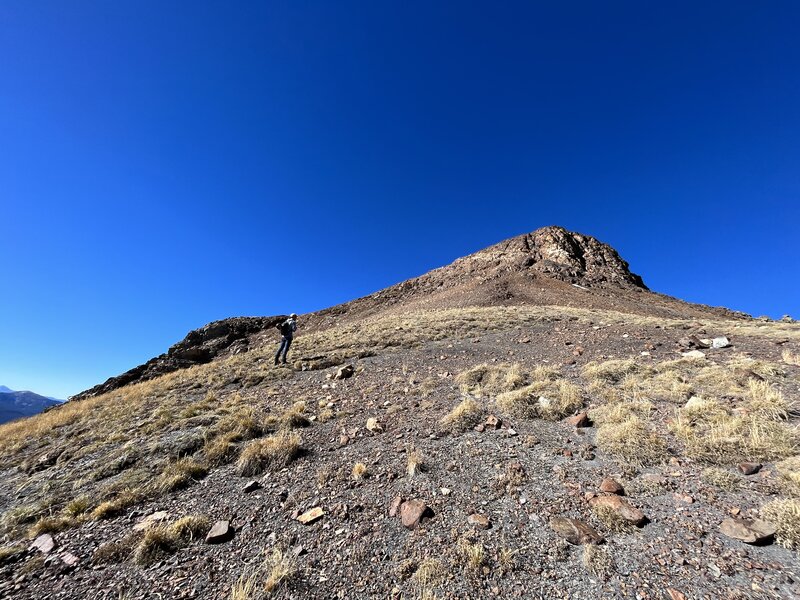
point(287, 328)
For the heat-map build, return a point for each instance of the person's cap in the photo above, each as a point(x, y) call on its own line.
point(293, 315)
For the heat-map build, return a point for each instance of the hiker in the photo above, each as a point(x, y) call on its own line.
point(287, 327)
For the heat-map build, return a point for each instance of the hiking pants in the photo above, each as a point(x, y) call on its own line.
point(283, 348)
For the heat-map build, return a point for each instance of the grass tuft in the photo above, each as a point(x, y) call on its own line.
point(465, 415)
point(784, 515)
point(274, 452)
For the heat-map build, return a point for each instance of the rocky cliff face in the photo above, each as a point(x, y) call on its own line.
point(555, 253)
point(219, 338)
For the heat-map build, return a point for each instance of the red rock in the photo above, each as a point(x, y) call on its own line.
point(675, 594)
point(620, 506)
point(579, 420)
point(748, 468)
point(575, 531)
point(611, 486)
point(412, 512)
point(479, 520)
point(220, 532)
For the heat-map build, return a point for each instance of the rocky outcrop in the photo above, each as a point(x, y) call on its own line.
point(219, 338)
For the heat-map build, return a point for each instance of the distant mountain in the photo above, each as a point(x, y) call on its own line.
point(14, 405)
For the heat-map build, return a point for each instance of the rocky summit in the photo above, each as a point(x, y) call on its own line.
point(530, 421)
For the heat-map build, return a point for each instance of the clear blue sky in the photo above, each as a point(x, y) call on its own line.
point(164, 164)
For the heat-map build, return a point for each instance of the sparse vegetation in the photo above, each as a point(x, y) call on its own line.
point(624, 433)
point(472, 554)
point(489, 379)
point(415, 462)
point(161, 540)
point(465, 415)
point(790, 358)
point(721, 478)
point(360, 471)
point(611, 519)
point(789, 471)
point(179, 474)
point(274, 452)
point(784, 514)
point(597, 561)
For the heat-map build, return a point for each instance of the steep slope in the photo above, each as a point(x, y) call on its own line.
point(474, 448)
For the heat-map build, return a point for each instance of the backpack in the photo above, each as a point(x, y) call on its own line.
point(285, 328)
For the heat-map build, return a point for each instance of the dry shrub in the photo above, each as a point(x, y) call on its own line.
point(429, 573)
point(466, 415)
point(117, 505)
point(612, 520)
point(221, 450)
point(117, 552)
point(191, 527)
point(281, 568)
point(77, 506)
point(789, 471)
point(244, 423)
point(784, 515)
point(612, 371)
point(51, 525)
point(294, 416)
point(489, 379)
point(472, 554)
point(766, 401)
point(274, 452)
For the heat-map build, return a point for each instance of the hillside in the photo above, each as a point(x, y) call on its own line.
point(14, 405)
point(529, 421)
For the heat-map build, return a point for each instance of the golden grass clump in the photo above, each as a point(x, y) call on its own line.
point(789, 471)
point(597, 561)
point(117, 552)
point(360, 471)
point(790, 358)
point(415, 461)
point(161, 540)
point(221, 450)
point(465, 415)
point(429, 573)
point(294, 416)
point(766, 401)
point(545, 399)
point(281, 568)
point(623, 433)
point(243, 423)
point(473, 554)
point(51, 525)
point(612, 520)
point(612, 371)
point(116, 506)
point(489, 379)
point(784, 515)
point(274, 452)
point(77, 506)
point(179, 474)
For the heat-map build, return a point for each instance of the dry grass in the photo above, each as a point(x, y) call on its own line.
point(51, 525)
point(789, 471)
point(721, 478)
point(415, 461)
point(281, 568)
point(597, 561)
point(624, 433)
point(359, 472)
point(473, 555)
point(117, 552)
point(767, 402)
point(7, 552)
point(545, 399)
point(790, 358)
point(611, 520)
point(116, 506)
point(490, 379)
point(159, 541)
point(429, 573)
point(294, 416)
point(465, 415)
point(179, 474)
point(784, 515)
point(274, 452)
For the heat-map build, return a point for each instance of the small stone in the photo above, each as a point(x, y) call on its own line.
point(575, 531)
point(44, 543)
point(345, 372)
point(394, 506)
point(748, 468)
point(579, 420)
point(612, 486)
point(251, 486)
point(374, 425)
point(749, 531)
point(492, 422)
point(220, 532)
point(344, 440)
point(445, 491)
point(149, 520)
point(622, 507)
point(480, 428)
point(683, 498)
point(720, 342)
point(479, 520)
point(69, 559)
point(412, 512)
point(511, 432)
point(310, 516)
point(675, 594)
point(693, 354)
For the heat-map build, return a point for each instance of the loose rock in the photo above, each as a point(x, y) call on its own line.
point(44, 543)
point(412, 512)
point(749, 531)
point(312, 515)
point(479, 520)
point(345, 372)
point(220, 532)
point(748, 468)
point(575, 531)
point(579, 420)
point(620, 506)
point(611, 486)
point(374, 425)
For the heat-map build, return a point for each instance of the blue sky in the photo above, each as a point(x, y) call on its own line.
point(165, 164)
